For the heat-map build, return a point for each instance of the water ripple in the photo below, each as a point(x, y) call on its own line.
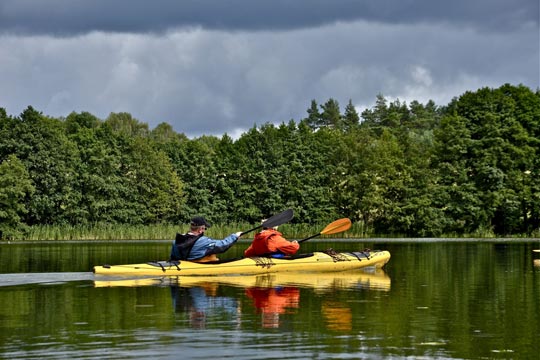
point(43, 278)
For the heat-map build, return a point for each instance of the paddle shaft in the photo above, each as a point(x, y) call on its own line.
point(306, 239)
point(250, 230)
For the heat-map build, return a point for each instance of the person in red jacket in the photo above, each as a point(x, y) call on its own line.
point(270, 242)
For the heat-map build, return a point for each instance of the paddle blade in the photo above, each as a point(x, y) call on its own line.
point(275, 220)
point(337, 226)
point(279, 219)
point(332, 228)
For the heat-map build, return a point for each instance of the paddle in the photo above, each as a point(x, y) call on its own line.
point(275, 220)
point(332, 228)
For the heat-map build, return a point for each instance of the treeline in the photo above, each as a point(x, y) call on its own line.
point(470, 167)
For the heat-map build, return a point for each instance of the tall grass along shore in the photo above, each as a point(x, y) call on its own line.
point(111, 232)
point(166, 231)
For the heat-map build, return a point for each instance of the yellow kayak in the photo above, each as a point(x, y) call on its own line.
point(328, 261)
point(373, 280)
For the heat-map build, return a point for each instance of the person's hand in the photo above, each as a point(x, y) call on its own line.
point(295, 241)
point(238, 234)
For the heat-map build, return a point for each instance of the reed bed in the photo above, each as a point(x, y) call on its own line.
point(112, 232)
point(101, 232)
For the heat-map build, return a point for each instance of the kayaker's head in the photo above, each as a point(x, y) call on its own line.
point(199, 224)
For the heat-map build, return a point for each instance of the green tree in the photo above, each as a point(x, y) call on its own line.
point(390, 157)
point(125, 123)
point(331, 115)
point(373, 180)
point(193, 160)
point(314, 119)
point(15, 186)
point(393, 115)
point(75, 122)
point(155, 194)
point(351, 118)
point(100, 182)
point(41, 144)
point(165, 134)
point(489, 140)
point(374, 118)
point(287, 166)
point(310, 167)
point(122, 177)
point(261, 164)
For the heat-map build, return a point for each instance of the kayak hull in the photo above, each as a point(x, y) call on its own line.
point(329, 261)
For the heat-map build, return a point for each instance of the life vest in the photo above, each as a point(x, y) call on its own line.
point(183, 245)
point(270, 243)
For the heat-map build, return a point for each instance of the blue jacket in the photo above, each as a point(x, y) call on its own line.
point(206, 246)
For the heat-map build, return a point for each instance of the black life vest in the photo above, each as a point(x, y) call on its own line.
point(183, 245)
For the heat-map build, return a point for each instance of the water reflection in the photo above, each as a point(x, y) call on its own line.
point(536, 262)
point(273, 302)
point(376, 279)
point(202, 302)
point(337, 316)
point(270, 296)
point(42, 278)
point(451, 300)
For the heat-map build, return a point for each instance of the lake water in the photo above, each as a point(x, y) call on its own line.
point(434, 299)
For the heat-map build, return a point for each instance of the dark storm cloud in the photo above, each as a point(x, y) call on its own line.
point(75, 17)
point(216, 66)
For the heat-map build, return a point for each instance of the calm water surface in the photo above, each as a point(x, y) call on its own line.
point(434, 299)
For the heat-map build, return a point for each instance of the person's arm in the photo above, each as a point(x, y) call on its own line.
point(220, 246)
point(285, 246)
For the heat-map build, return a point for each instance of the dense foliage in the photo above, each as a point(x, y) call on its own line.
point(415, 169)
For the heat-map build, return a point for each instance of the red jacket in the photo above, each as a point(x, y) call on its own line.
point(271, 241)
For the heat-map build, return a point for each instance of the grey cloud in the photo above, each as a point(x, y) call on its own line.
point(205, 81)
point(74, 17)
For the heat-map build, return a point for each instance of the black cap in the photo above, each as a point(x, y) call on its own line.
point(200, 221)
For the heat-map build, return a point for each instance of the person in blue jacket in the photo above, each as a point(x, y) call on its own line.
point(197, 247)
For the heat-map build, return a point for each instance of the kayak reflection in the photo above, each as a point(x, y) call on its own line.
point(225, 298)
point(320, 282)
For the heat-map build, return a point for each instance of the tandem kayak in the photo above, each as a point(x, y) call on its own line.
point(328, 261)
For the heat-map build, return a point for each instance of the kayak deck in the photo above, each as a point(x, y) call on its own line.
point(328, 261)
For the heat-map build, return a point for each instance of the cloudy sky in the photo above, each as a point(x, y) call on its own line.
point(222, 66)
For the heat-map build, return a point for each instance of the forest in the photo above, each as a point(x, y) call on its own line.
point(413, 170)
